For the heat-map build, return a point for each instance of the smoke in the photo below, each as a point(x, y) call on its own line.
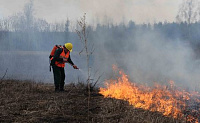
point(153, 58)
point(145, 56)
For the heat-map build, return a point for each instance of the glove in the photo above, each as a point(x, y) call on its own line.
point(50, 57)
point(75, 67)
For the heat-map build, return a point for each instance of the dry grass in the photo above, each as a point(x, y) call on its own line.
point(24, 101)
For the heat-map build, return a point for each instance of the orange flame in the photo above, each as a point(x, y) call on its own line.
point(167, 100)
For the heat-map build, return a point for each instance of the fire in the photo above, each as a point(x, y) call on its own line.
point(168, 100)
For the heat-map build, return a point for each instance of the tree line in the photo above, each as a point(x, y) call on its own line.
point(34, 39)
point(23, 31)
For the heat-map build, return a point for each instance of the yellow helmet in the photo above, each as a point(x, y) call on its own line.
point(69, 46)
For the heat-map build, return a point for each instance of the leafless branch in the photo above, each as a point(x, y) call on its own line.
point(81, 51)
point(4, 74)
point(97, 80)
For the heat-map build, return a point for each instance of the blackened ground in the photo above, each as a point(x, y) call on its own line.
point(25, 101)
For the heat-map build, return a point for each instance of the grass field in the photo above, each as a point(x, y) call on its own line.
point(25, 101)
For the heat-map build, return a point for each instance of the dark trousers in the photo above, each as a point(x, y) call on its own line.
point(59, 77)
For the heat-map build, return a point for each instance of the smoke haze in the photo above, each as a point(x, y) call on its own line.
point(146, 56)
point(150, 57)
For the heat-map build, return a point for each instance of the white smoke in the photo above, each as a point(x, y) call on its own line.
point(154, 59)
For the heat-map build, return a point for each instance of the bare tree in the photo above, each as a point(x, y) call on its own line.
point(42, 25)
point(189, 11)
point(22, 21)
point(28, 15)
point(87, 50)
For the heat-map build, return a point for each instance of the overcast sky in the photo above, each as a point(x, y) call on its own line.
point(141, 11)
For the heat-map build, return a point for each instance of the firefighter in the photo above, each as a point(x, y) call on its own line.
point(59, 56)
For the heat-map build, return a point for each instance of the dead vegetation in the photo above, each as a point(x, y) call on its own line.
point(25, 101)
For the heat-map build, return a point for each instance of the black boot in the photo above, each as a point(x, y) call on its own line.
point(62, 89)
point(62, 86)
point(57, 89)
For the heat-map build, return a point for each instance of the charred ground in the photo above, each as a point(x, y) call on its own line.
point(26, 101)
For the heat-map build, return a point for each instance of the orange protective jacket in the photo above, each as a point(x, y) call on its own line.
point(63, 55)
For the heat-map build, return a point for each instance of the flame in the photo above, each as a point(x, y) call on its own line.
point(168, 100)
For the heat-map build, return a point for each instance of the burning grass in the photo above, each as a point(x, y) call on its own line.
point(168, 100)
point(25, 101)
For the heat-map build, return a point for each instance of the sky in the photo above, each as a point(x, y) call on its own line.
point(102, 11)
